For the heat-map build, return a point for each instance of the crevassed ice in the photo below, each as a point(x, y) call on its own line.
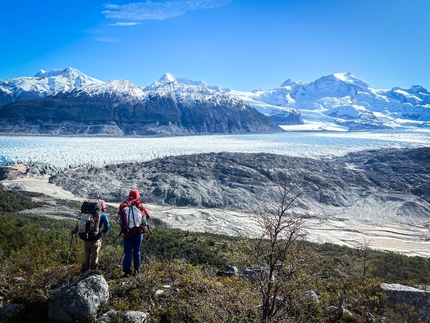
point(69, 152)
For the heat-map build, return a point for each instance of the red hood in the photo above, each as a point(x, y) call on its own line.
point(134, 195)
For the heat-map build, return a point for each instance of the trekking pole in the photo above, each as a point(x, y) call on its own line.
point(70, 249)
point(150, 233)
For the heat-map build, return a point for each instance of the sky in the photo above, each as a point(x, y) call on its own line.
point(239, 44)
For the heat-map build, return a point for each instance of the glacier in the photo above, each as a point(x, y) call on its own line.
point(70, 152)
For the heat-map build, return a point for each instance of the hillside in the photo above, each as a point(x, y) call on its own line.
point(182, 277)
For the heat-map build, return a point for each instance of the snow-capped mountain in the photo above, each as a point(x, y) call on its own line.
point(345, 101)
point(118, 90)
point(335, 102)
point(167, 107)
point(43, 84)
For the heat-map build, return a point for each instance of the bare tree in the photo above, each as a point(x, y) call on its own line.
point(365, 248)
point(275, 261)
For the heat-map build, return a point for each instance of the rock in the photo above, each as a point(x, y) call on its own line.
point(8, 311)
point(401, 294)
point(311, 296)
point(107, 317)
point(12, 172)
point(369, 317)
point(129, 316)
point(331, 310)
point(334, 310)
point(228, 271)
point(79, 300)
point(136, 317)
point(42, 169)
point(255, 273)
point(19, 279)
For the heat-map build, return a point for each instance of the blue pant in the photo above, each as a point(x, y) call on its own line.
point(132, 252)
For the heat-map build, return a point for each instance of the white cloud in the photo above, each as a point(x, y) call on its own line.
point(106, 40)
point(125, 24)
point(139, 11)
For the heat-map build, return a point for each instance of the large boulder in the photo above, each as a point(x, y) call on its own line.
point(8, 311)
point(79, 300)
point(400, 294)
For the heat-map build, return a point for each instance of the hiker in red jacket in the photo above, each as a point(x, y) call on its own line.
point(132, 216)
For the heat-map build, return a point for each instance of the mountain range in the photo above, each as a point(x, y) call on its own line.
point(70, 102)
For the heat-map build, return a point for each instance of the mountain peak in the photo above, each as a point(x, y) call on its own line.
point(167, 78)
point(40, 73)
point(288, 82)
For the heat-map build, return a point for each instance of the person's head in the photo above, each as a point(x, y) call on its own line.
point(134, 195)
point(103, 205)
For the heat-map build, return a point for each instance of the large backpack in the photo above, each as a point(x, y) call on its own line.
point(89, 219)
point(132, 220)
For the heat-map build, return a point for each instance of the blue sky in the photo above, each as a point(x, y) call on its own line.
point(240, 44)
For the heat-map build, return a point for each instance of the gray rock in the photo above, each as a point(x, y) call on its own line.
point(228, 271)
point(311, 295)
point(107, 317)
point(401, 294)
point(42, 169)
point(369, 317)
point(19, 279)
point(334, 310)
point(129, 316)
point(8, 311)
point(79, 300)
point(255, 272)
point(136, 317)
point(331, 310)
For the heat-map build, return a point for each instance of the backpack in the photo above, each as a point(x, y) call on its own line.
point(89, 219)
point(132, 220)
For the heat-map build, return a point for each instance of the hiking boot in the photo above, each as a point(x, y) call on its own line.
point(127, 274)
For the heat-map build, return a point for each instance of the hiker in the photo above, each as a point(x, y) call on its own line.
point(91, 233)
point(132, 216)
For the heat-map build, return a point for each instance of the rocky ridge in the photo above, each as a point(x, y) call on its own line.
point(240, 181)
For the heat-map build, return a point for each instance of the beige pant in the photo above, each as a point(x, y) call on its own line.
point(91, 255)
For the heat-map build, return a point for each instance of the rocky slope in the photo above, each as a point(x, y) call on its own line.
point(392, 181)
point(82, 113)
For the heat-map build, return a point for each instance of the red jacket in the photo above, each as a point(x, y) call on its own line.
point(133, 198)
